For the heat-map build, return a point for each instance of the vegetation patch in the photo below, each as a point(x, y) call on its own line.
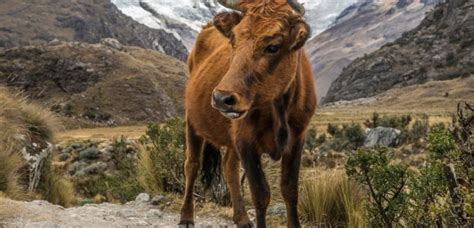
point(25, 153)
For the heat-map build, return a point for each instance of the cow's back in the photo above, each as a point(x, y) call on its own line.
point(209, 41)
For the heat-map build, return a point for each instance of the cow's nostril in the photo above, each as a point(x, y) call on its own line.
point(230, 100)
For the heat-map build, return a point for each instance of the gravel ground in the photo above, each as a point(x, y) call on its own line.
point(43, 214)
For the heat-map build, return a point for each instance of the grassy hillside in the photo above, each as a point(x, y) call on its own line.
point(90, 85)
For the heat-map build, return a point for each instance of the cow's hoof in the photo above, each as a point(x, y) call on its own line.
point(186, 224)
point(247, 225)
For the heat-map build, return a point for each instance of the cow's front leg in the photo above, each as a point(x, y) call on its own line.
point(259, 188)
point(231, 173)
point(194, 145)
point(289, 181)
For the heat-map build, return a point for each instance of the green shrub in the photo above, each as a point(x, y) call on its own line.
point(89, 153)
point(333, 130)
point(349, 137)
point(441, 143)
point(373, 122)
point(419, 130)
point(398, 122)
point(385, 181)
point(161, 157)
point(355, 135)
point(120, 185)
point(427, 197)
point(321, 139)
point(311, 139)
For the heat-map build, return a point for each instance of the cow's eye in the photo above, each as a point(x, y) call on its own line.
point(272, 49)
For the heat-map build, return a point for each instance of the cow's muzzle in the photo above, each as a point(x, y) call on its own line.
point(228, 104)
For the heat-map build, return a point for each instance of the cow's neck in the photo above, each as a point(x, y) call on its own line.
point(281, 107)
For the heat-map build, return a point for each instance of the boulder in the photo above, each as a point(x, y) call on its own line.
point(382, 136)
point(113, 43)
point(142, 198)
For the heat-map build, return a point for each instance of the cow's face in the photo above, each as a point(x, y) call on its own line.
point(264, 59)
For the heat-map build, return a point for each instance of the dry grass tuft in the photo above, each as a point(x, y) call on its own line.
point(22, 123)
point(10, 161)
point(147, 171)
point(332, 200)
point(56, 188)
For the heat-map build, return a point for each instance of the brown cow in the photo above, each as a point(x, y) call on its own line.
point(251, 90)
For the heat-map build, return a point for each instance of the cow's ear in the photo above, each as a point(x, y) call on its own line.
point(300, 33)
point(224, 22)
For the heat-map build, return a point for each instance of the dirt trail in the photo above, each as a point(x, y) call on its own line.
point(133, 214)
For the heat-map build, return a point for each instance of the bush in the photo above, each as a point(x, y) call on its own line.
point(385, 181)
point(333, 130)
point(332, 200)
point(441, 143)
point(419, 130)
point(349, 137)
point(311, 139)
point(89, 153)
point(321, 139)
point(355, 135)
point(428, 191)
point(161, 157)
point(398, 122)
point(119, 185)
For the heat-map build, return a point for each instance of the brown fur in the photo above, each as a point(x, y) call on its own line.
point(276, 91)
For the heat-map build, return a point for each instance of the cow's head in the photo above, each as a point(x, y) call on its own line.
point(265, 36)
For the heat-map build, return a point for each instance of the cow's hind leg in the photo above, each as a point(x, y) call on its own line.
point(231, 173)
point(259, 188)
point(194, 145)
point(289, 181)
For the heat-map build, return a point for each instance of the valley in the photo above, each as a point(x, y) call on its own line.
point(92, 107)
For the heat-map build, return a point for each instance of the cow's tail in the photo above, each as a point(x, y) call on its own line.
point(211, 165)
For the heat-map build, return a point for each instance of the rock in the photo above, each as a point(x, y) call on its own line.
point(126, 213)
point(154, 213)
point(113, 43)
point(54, 42)
point(92, 169)
point(157, 200)
point(41, 202)
point(279, 210)
point(252, 213)
point(382, 136)
point(89, 153)
point(142, 198)
point(63, 157)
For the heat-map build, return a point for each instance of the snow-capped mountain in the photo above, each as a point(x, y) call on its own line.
point(322, 13)
point(185, 18)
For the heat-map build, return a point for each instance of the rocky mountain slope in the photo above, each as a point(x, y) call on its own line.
point(185, 18)
point(98, 84)
point(360, 29)
point(28, 22)
point(440, 48)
